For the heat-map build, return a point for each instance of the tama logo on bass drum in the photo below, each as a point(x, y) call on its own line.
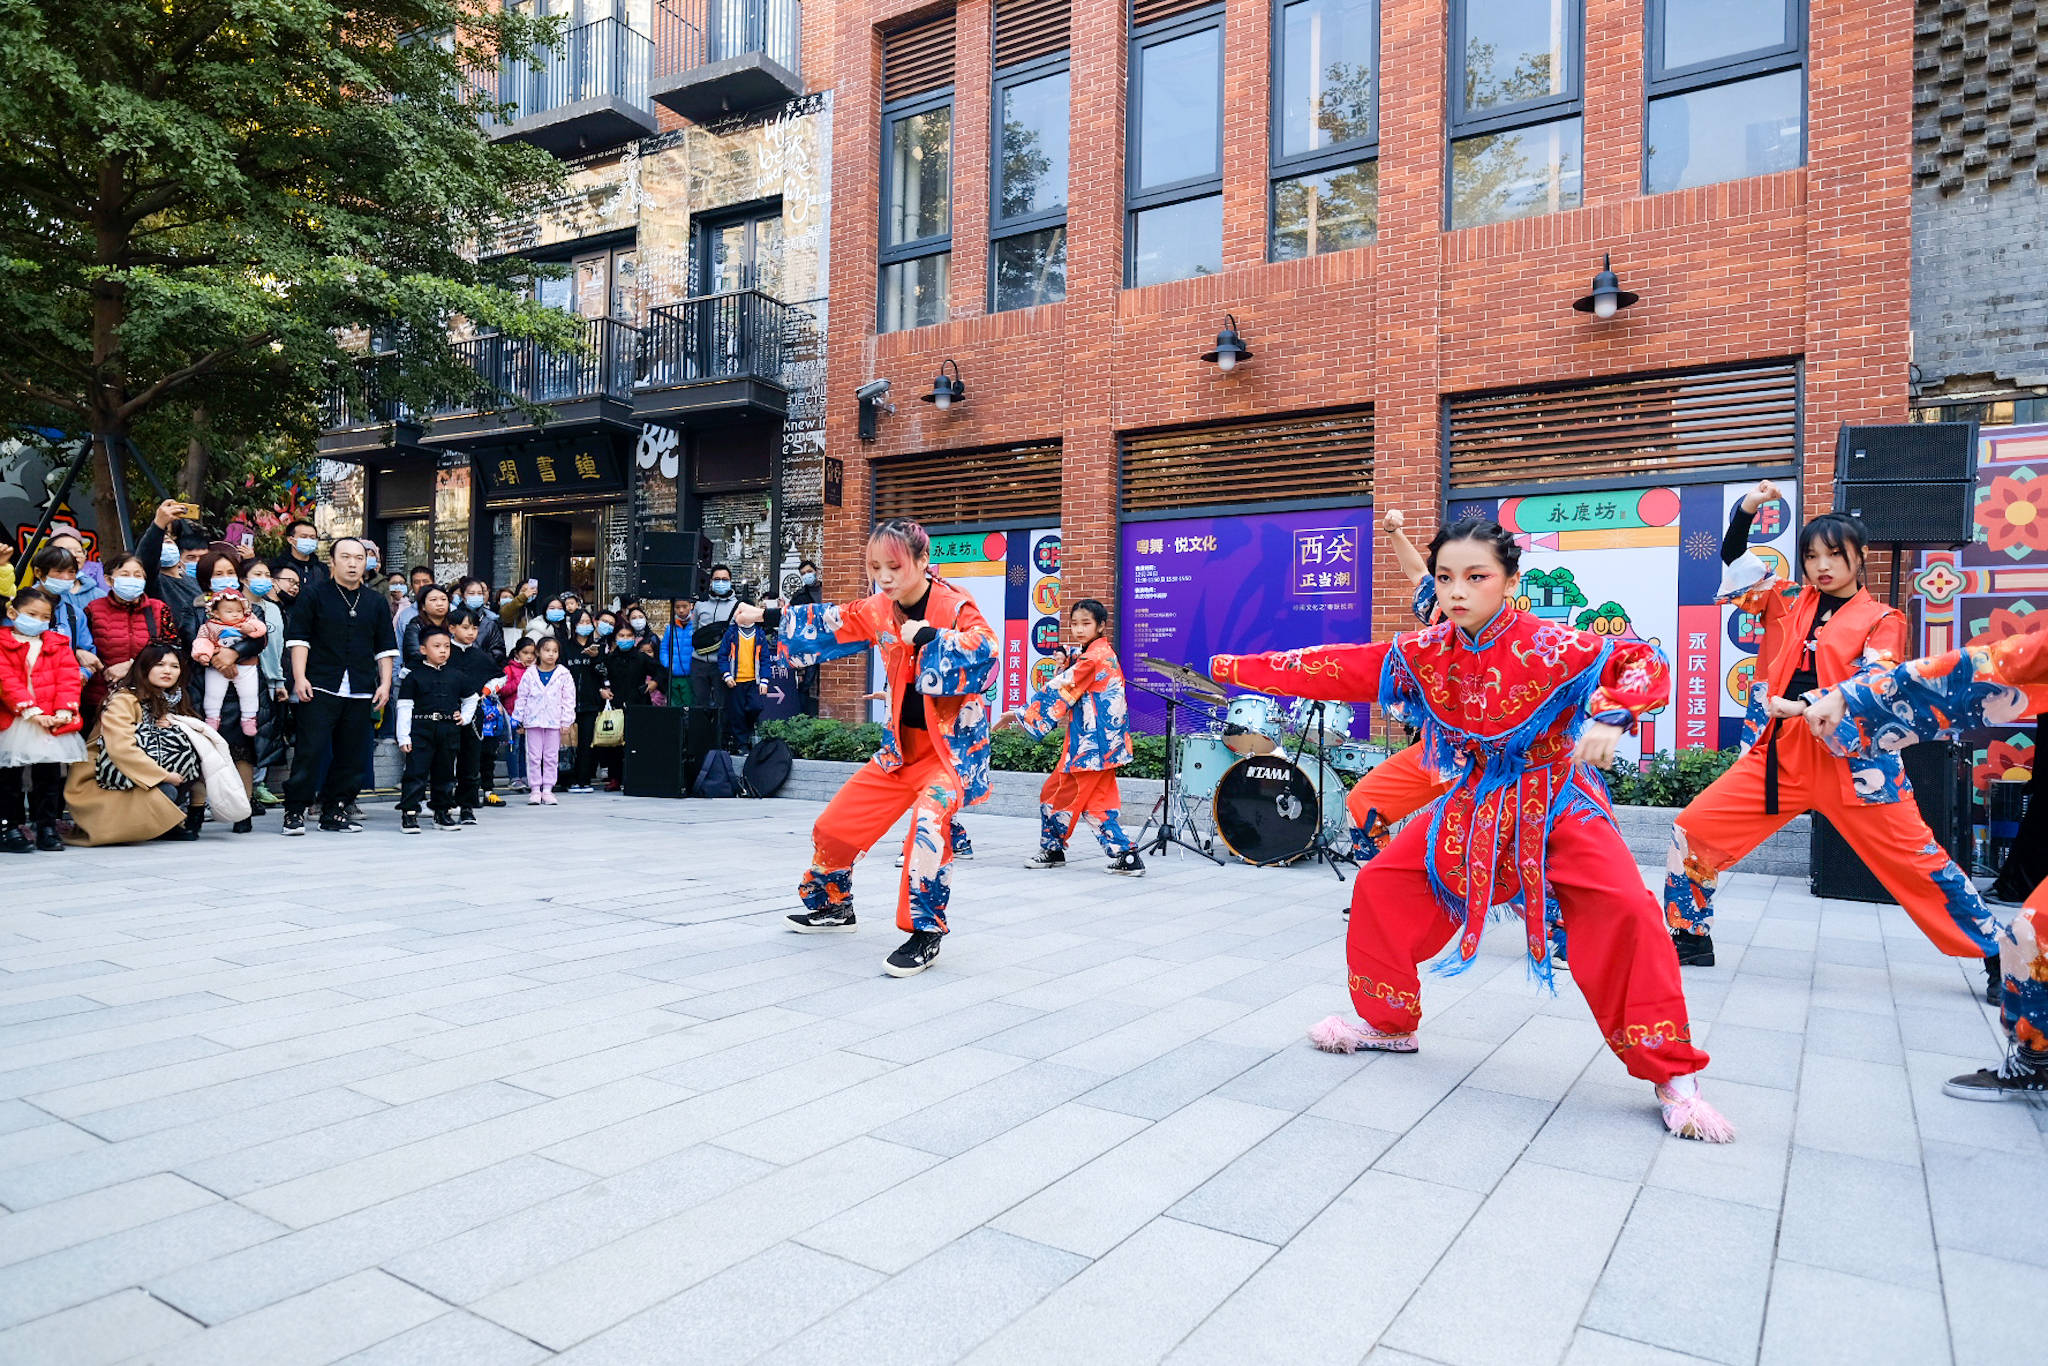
point(1261, 771)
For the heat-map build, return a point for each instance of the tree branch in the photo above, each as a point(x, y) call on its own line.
point(42, 395)
point(183, 375)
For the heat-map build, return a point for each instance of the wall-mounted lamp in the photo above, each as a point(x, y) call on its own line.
point(946, 392)
point(1230, 348)
point(1608, 297)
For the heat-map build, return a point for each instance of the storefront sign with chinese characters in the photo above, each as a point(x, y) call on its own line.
point(542, 471)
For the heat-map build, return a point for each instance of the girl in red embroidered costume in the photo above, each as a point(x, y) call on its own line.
point(1516, 711)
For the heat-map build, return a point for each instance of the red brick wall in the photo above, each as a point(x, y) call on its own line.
point(1810, 262)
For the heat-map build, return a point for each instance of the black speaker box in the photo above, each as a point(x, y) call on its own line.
point(669, 581)
point(699, 739)
point(1937, 514)
point(1941, 785)
point(668, 547)
point(1908, 453)
point(654, 752)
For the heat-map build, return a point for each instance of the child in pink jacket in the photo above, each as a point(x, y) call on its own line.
point(546, 706)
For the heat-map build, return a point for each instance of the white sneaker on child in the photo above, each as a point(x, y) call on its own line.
point(533, 800)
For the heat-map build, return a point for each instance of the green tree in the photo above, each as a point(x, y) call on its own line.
point(202, 202)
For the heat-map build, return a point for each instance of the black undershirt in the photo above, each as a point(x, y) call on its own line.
point(1734, 545)
point(911, 716)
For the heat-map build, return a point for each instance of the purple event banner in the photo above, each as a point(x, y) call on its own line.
point(1199, 586)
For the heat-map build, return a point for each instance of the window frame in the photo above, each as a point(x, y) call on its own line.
point(1002, 229)
point(1342, 156)
point(1137, 201)
point(1662, 82)
point(1527, 113)
point(934, 244)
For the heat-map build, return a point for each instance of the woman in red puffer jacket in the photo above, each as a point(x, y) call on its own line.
point(123, 622)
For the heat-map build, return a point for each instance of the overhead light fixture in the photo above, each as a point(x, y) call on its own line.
point(946, 392)
point(1608, 297)
point(1230, 348)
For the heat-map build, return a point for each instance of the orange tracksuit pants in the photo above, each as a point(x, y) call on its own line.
point(1728, 820)
point(1389, 794)
point(1622, 960)
point(862, 812)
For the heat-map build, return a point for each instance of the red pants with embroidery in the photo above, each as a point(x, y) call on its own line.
point(862, 812)
point(1621, 954)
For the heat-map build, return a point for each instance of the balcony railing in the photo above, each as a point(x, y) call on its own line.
point(511, 371)
point(590, 91)
point(742, 335)
point(725, 56)
point(348, 409)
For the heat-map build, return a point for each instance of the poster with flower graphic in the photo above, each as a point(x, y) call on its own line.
point(1990, 588)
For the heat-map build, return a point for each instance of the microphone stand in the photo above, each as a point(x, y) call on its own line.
point(1170, 812)
point(1320, 850)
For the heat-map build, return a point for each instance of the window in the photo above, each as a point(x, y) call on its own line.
point(1028, 218)
point(1516, 107)
point(1325, 127)
point(1727, 91)
point(917, 175)
point(1174, 197)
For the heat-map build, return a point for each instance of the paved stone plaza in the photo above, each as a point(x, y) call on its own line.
point(561, 1084)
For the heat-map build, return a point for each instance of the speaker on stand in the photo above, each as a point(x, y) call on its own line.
point(673, 564)
point(1910, 484)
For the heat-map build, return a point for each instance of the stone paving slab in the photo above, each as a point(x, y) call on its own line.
point(561, 1085)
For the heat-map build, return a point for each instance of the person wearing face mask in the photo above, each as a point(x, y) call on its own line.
point(707, 634)
point(474, 596)
point(810, 592)
point(583, 657)
point(171, 546)
point(259, 585)
point(57, 574)
point(550, 623)
point(124, 623)
point(92, 581)
point(636, 677)
point(285, 586)
point(433, 607)
point(301, 552)
point(403, 608)
point(39, 723)
point(672, 647)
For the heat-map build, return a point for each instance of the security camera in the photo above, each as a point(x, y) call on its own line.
point(874, 391)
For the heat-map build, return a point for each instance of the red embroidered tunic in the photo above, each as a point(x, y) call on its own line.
point(1499, 714)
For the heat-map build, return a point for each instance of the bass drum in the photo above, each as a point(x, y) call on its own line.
point(1265, 810)
point(1202, 761)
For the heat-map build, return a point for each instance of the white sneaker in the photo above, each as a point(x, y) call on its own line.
point(533, 799)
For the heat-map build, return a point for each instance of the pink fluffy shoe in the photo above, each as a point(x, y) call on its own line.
point(1687, 1114)
point(1339, 1035)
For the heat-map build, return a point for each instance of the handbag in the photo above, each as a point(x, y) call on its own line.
point(610, 730)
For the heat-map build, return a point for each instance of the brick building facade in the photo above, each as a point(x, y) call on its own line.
point(1807, 265)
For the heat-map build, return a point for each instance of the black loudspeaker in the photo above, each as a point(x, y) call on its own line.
point(1910, 484)
point(670, 581)
point(654, 752)
point(700, 737)
point(1941, 786)
point(671, 563)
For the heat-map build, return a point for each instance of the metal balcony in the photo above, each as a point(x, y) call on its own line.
point(716, 358)
point(582, 389)
point(363, 420)
point(584, 96)
point(714, 58)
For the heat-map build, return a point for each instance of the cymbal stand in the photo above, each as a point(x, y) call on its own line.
point(1170, 813)
point(1320, 849)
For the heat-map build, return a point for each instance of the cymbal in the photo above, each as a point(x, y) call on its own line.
point(1183, 675)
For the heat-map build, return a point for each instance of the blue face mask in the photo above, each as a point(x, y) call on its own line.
point(192, 571)
point(627, 644)
point(584, 629)
point(260, 587)
point(721, 587)
point(604, 628)
point(473, 601)
point(29, 626)
point(127, 587)
point(220, 583)
point(306, 545)
point(556, 614)
point(169, 556)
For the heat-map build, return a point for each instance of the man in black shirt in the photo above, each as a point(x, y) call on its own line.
point(301, 552)
point(430, 731)
point(341, 648)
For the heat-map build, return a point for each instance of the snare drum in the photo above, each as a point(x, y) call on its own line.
point(1254, 724)
point(1337, 718)
point(1202, 761)
point(1353, 758)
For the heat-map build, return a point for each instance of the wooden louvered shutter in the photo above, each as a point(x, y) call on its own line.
point(1659, 425)
point(918, 59)
point(969, 488)
point(1328, 455)
point(1030, 28)
point(1145, 12)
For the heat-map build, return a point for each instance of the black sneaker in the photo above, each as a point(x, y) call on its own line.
point(468, 817)
point(963, 849)
point(14, 840)
point(353, 812)
point(1048, 858)
point(294, 823)
point(2014, 1078)
point(410, 822)
point(48, 840)
point(335, 823)
point(1127, 864)
point(1694, 950)
point(244, 825)
point(837, 920)
point(444, 821)
point(1994, 981)
point(916, 954)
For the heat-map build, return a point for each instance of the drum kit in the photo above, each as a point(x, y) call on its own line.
point(1233, 781)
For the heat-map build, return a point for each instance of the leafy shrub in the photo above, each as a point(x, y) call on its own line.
point(1670, 780)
